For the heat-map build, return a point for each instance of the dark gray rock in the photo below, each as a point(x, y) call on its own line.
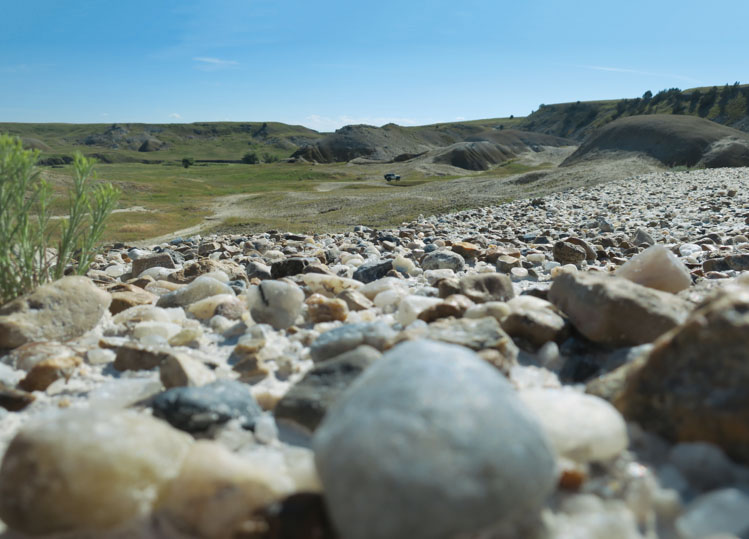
point(307, 401)
point(195, 409)
point(257, 269)
point(371, 271)
point(290, 266)
point(642, 237)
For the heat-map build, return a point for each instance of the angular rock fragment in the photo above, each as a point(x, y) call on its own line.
point(339, 340)
point(126, 295)
point(308, 400)
point(371, 271)
point(692, 385)
point(534, 320)
point(157, 260)
point(322, 309)
point(566, 252)
point(656, 267)
point(195, 409)
point(46, 372)
point(615, 311)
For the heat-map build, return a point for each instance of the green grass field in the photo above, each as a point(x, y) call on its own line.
point(301, 197)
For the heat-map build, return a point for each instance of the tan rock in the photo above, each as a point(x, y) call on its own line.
point(453, 306)
point(179, 370)
point(14, 400)
point(156, 260)
point(485, 287)
point(227, 305)
point(615, 311)
point(356, 301)
point(200, 267)
point(126, 295)
point(84, 469)
point(534, 320)
point(692, 385)
point(47, 371)
point(466, 249)
point(322, 309)
point(566, 252)
point(62, 310)
point(26, 356)
point(137, 357)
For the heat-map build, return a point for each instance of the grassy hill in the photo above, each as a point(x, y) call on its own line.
point(155, 143)
point(727, 105)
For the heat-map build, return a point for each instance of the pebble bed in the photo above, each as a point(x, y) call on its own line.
point(510, 371)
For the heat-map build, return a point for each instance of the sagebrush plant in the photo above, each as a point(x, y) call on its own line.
point(26, 229)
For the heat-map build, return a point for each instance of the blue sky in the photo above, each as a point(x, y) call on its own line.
point(328, 63)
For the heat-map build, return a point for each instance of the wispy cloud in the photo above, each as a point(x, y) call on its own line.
point(327, 123)
point(175, 115)
point(23, 68)
point(638, 72)
point(206, 63)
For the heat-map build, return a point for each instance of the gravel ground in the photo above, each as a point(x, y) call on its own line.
point(241, 346)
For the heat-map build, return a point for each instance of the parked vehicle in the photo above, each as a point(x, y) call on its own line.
point(390, 176)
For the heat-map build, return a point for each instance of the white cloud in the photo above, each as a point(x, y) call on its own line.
point(638, 72)
point(175, 115)
point(459, 119)
point(205, 63)
point(326, 123)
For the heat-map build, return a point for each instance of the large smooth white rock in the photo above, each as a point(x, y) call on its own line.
point(431, 442)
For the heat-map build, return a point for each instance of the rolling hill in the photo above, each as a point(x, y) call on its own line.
point(674, 140)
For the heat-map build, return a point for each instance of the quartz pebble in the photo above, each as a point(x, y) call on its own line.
point(64, 464)
point(656, 267)
point(217, 492)
point(581, 427)
point(277, 303)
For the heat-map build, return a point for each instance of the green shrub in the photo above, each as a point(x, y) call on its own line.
point(269, 158)
point(187, 162)
point(250, 158)
point(27, 230)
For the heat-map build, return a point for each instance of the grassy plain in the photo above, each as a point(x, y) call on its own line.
point(160, 199)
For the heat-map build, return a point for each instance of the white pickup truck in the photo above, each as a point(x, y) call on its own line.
point(390, 176)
